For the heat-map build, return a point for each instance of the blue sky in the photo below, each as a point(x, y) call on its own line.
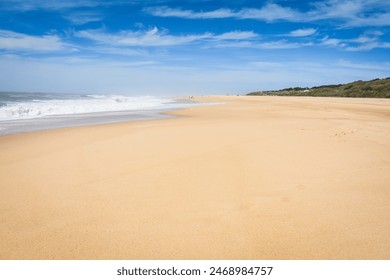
point(168, 47)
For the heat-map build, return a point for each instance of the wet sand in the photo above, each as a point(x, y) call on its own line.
point(254, 178)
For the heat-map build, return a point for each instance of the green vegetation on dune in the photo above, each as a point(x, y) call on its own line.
point(378, 88)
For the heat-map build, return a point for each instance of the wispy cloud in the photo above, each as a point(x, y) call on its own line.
point(151, 37)
point(354, 13)
point(13, 41)
point(365, 42)
point(80, 18)
point(350, 13)
point(302, 32)
point(265, 45)
point(269, 12)
point(164, 11)
point(157, 37)
point(118, 43)
point(333, 42)
point(281, 44)
point(236, 35)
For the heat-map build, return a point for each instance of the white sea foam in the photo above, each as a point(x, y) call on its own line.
point(87, 104)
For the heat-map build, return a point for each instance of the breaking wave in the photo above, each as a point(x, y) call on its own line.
point(91, 103)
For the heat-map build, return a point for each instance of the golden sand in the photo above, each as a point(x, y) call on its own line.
point(254, 178)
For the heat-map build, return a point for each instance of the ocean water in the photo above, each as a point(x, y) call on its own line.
point(22, 112)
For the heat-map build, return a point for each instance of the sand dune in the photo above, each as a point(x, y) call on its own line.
point(254, 178)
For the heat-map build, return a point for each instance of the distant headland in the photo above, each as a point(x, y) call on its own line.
point(378, 88)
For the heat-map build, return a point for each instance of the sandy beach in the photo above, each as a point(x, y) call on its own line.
point(253, 178)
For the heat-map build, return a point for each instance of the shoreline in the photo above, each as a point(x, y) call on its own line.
point(253, 178)
point(13, 127)
point(16, 126)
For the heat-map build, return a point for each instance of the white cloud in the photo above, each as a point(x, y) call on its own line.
point(369, 45)
point(280, 44)
point(368, 40)
point(13, 41)
point(164, 11)
point(302, 32)
point(156, 37)
point(352, 13)
point(363, 47)
point(80, 18)
point(337, 9)
point(234, 44)
point(265, 45)
point(373, 20)
point(363, 39)
point(269, 12)
point(236, 35)
point(118, 42)
point(326, 41)
point(151, 37)
point(385, 45)
point(365, 42)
